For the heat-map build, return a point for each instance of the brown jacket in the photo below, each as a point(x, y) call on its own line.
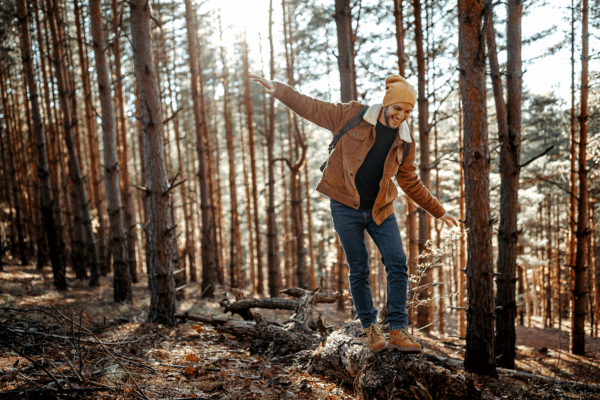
point(337, 181)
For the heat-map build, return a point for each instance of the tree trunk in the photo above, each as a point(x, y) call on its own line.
point(55, 204)
point(258, 284)
point(338, 274)
point(579, 292)
point(272, 245)
point(159, 225)
point(189, 251)
point(596, 245)
point(311, 252)
point(235, 262)
point(479, 355)
point(399, 19)
point(12, 173)
point(118, 237)
point(58, 267)
point(83, 219)
point(424, 312)
point(297, 144)
point(92, 138)
point(343, 22)
point(209, 266)
point(127, 213)
point(510, 139)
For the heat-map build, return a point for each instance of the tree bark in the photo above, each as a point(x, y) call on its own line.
point(343, 22)
point(579, 290)
point(509, 126)
point(159, 224)
point(272, 242)
point(346, 357)
point(127, 212)
point(479, 355)
point(94, 164)
point(208, 248)
point(118, 237)
point(82, 218)
point(235, 262)
point(258, 284)
point(424, 312)
point(17, 223)
point(58, 267)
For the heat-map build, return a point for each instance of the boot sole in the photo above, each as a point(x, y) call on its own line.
point(407, 350)
point(381, 350)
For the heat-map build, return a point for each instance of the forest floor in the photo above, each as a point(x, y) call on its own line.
point(195, 361)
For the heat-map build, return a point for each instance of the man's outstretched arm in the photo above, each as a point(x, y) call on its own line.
point(331, 116)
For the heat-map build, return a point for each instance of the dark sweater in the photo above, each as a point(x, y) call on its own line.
point(370, 173)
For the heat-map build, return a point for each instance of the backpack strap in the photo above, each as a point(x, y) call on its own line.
point(349, 125)
point(355, 120)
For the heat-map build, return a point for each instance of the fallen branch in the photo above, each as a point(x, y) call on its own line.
point(522, 375)
point(106, 350)
point(43, 393)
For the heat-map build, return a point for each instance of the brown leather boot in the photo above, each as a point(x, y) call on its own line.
point(377, 341)
point(403, 341)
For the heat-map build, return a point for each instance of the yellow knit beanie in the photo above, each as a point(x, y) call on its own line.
point(398, 90)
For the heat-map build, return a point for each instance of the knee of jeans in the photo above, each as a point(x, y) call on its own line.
point(397, 261)
point(359, 274)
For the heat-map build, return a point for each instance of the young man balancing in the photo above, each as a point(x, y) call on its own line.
point(358, 181)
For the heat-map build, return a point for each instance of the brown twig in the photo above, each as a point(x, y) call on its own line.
point(106, 350)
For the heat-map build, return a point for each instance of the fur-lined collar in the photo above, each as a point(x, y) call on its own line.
point(373, 113)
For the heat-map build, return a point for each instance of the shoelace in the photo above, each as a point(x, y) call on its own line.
point(407, 335)
point(372, 331)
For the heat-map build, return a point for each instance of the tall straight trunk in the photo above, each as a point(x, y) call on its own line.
point(411, 208)
point(479, 355)
point(288, 279)
point(207, 245)
point(596, 244)
point(579, 291)
point(560, 282)
point(311, 252)
point(424, 312)
point(399, 20)
point(159, 225)
point(509, 126)
point(337, 272)
point(573, 178)
point(250, 125)
point(43, 45)
point(272, 245)
point(22, 192)
point(215, 190)
point(235, 262)
point(92, 138)
point(548, 274)
point(12, 173)
point(83, 217)
point(299, 147)
point(127, 213)
point(343, 22)
point(118, 237)
point(189, 248)
point(58, 267)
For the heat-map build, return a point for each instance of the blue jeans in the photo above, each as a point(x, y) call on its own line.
point(350, 225)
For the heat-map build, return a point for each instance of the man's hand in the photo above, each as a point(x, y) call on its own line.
point(449, 220)
point(269, 86)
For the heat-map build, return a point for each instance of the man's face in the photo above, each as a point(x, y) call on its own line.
point(395, 114)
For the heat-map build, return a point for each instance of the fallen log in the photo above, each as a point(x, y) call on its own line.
point(347, 357)
point(283, 341)
point(242, 305)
